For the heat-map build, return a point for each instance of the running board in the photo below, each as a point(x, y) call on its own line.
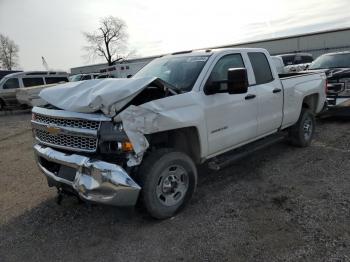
point(230, 157)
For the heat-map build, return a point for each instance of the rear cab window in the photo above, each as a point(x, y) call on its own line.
point(261, 68)
point(11, 83)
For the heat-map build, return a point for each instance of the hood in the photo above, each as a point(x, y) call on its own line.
point(108, 95)
point(334, 73)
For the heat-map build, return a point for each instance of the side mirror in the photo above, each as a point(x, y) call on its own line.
point(237, 81)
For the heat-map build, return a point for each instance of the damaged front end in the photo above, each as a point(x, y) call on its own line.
point(92, 154)
point(84, 154)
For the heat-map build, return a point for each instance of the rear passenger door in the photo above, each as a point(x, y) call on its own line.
point(269, 93)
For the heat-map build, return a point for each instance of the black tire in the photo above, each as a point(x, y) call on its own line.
point(302, 132)
point(168, 180)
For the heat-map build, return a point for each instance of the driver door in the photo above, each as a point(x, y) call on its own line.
point(231, 118)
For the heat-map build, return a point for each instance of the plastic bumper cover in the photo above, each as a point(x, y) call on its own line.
point(95, 180)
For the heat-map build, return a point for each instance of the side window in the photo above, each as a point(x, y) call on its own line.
point(298, 60)
point(35, 81)
point(307, 59)
point(86, 77)
point(288, 60)
point(219, 72)
point(261, 68)
point(54, 80)
point(11, 83)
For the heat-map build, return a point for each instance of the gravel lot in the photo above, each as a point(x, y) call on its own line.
point(280, 204)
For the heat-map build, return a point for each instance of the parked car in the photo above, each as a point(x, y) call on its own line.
point(119, 141)
point(103, 75)
point(11, 83)
point(81, 77)
point(337, 68)
point(296, 62)
point(7, 72)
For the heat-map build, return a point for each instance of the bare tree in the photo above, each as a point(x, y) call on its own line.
point(108, 41)
point(8, 53)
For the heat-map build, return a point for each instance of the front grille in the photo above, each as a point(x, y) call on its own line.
point(67, 141)
point(56, 130)
point(76, 123)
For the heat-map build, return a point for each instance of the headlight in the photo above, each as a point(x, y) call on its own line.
point(346, 87)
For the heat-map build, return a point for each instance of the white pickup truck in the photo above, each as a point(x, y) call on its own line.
point(123, 141)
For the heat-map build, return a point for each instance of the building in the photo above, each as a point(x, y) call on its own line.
point(97, 67)
point(316, 43)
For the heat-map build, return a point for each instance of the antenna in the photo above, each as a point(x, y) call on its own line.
point(45, 65)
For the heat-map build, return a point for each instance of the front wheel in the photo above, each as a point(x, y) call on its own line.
point(168, 179)
point(302, 132)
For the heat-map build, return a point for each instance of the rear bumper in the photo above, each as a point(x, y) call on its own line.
point(94, 180)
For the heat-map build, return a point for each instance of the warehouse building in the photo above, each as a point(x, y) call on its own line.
point(316, 43)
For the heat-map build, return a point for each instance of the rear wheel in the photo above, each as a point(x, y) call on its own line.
point(302, 132)
point(168, 179)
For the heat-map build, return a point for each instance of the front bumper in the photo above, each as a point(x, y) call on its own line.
point(94, 180)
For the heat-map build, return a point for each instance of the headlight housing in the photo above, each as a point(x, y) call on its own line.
point(113, 139)
point(340, 87)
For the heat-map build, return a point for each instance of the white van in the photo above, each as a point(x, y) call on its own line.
point(123, 70)
point(12, 83)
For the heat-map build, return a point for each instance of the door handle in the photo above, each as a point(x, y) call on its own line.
point(276, 90)
point(250, 96)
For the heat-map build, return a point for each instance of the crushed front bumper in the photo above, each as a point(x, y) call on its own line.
point(93, 180)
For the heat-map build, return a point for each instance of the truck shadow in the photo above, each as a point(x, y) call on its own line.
point(99, 224)
point(70, 210)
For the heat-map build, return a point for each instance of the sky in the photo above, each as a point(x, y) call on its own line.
point(53, 28)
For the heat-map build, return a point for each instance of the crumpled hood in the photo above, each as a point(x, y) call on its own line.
point(107, 95)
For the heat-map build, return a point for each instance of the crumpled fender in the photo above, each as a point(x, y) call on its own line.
point(165, 114)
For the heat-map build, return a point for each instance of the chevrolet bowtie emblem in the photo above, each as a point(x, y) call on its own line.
point(53, 130)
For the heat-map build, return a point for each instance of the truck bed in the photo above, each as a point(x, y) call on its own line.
point(294, 74)
point(300, 84)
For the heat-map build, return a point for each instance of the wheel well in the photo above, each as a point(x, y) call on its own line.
point(184, 139)
point(310, 102)
point(2, 102)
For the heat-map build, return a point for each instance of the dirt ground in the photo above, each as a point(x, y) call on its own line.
point(279, 204)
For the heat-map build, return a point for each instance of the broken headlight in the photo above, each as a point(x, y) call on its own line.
point(113, 139)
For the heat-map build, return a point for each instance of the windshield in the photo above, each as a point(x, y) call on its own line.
point(331, 61)
point(181, 72)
